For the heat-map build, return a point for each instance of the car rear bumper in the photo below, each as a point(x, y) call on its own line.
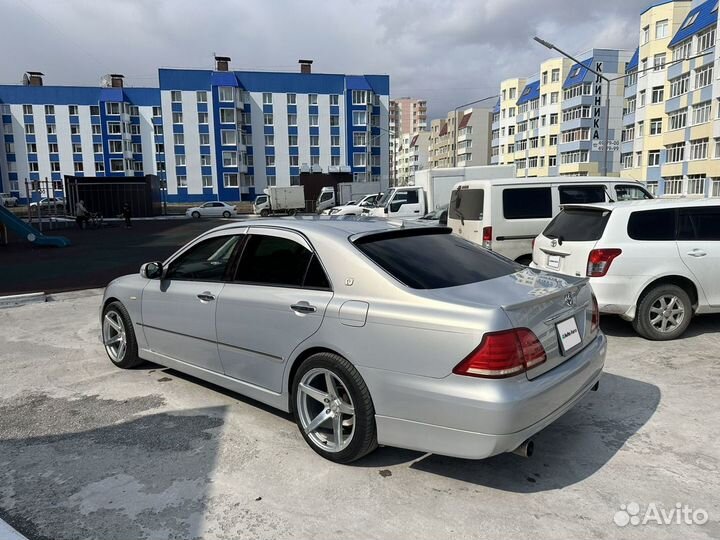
point(617, 294)
point(476, 418)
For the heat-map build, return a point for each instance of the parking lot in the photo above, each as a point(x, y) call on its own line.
point(91, 451)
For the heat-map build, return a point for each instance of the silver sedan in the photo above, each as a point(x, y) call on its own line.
point(370, 333)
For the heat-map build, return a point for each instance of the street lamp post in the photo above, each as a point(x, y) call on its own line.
point(455, 143)
point(607, 95)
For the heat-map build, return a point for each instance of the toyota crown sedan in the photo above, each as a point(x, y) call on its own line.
point(370, 333)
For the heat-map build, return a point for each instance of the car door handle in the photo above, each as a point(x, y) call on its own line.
point(206, 296)
point(303, 307)
point(417, 211)
point(697, 253)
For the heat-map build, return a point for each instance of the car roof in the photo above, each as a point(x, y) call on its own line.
point(549, 180)
point(646, 204)
point(338, 227)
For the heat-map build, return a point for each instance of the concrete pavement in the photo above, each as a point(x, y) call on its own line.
point(91, 451)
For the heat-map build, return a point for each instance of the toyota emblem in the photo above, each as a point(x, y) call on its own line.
point(553, 242)
point(569, 299)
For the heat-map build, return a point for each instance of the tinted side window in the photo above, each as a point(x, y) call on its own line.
point(582, 194)
point(575, 225)
point(699, 223)
point(412, 258)
point(269, 260)
point(206, 261)
point(652, 225)
point(315, 277)
point(409, 197)
point(527, 203)
point(467, 204)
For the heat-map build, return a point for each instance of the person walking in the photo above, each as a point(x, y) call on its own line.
point(127, 214)
point(81, 214)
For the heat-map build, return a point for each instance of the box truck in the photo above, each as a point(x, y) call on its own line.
point(344, 192)
point(280, 200)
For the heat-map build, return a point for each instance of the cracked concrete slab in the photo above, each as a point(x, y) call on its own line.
point(90, 451)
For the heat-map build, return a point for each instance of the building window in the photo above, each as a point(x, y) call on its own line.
point(177, 118)
point(675, 153)
point(314, 140)
point(178, 139)
point(267, 98)
point(159, 148)
point(335, 140)
point(269, 140)
point(229, 159)
point(115, 147)
point(659, 62)
point(706, 41)
point(207, 181)
point(294, 161)
point(205, 160)
point(49, 109)
point(682, 50)
point(96, 129)
point(112, 108)
point(334, 99)
point(715, 187)
point(269, 161)
point(313, 120)
point(359, 139)
point(696, 184)
point(181, 181)
point(268, 119)
point(271, 180)
point(99, 167)
point(673, 185)
point(158, 130)
point(292, 119)
point(78, 166)
point(544, 77)
point(334, 120)
point(204, 138)
point(229, 137)
point(555, 76)
point(677, 119)
point(156, 111)
point(202, 118)
point(359, 118)
point(641, 96)
point(117, 165)
point(335, 160)
point(552, 161)
point(175, 97)
point(201, 96)
point(698, 149)
point(578, 156)
point(180, 160)
point(553, 119)
point(679, 85)
point(227, 116)
point(291, 99)
point(312, 99)
point(292, 140)
point(359, 97)
point(554, 96)
point(114, 128)
point(657, 94)
point(701, 113)
point(661, 29)
point(226, 93)
point(27, 109)
point(656, 126)
point(703, 76)
point(638, 159)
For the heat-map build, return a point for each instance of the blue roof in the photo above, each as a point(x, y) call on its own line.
point(531, 92)
point(76, 95)
point(496, 108)
point(577, 73)
point(697, 19)
point(633, 63)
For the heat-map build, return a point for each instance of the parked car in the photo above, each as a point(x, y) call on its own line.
point(369, 332)
point(436, 217)
point(280, 200)
point(354, 208)
point(400, 203)
point(654, 263)
point(6, 199)
point(212, 209)
point(506, 214)
point(47, 202)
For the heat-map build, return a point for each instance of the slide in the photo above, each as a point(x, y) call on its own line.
point(27, 231)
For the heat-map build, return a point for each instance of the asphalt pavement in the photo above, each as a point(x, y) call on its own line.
point(91, 451)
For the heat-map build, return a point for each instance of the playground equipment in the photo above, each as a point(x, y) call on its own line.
point(27, 231)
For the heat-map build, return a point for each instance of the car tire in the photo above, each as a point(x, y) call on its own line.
point(196, 215)
point(655, 317)
point(525, 260)
point(292, 212)
point(264, 212)
point(363, 433)
point(115, 315)
point(226, 214)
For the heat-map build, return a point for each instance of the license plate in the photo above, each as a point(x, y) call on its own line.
point(568, 334)
point(553, 262)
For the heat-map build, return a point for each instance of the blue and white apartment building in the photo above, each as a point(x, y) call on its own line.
point(209, 133)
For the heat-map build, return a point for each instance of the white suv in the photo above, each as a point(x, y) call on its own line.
point(654, 262)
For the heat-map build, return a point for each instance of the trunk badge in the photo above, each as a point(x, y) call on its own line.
point(569, 299)
point(553, 242)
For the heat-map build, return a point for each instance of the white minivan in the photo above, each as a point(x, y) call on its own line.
point(654, 263)
point(506, 214)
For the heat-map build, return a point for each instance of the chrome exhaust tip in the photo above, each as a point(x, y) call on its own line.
point(526, 449)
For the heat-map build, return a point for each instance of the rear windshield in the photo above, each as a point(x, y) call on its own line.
point(576, 225)
point(433, 259)
point(467, 204)
point(582, 194)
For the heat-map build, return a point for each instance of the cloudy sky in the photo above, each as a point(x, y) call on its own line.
point(449, 52)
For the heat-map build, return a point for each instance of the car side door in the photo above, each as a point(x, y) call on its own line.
point(405, 202)
point(699, 247)
point(276, 300)
point(178, 310)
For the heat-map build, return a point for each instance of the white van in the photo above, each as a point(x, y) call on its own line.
point(506, 214)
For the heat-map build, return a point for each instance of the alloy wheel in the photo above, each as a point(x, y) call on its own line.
point(326, 410)
point(667, 313)
point(114, 336)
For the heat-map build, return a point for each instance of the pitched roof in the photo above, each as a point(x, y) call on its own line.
point(633, 63)
point(443, 129)
point(697, 19)
point(464, 121)
point(531, 92)
point(577, 73)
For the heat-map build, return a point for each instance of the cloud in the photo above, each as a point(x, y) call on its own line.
point(448, 52)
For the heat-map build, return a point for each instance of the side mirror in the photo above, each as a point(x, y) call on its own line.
point(443, 218)
point(151, 270)
point(386, 210)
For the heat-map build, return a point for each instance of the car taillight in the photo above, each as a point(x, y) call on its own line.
point(503, 354)
point(487, 237)
point(595, 320)
point(599, 261)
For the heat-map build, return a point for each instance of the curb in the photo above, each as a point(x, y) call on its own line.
point(8, 533)
point(22, 299)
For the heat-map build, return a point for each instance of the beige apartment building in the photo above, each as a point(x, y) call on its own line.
point(463, 145)
point(410, 154)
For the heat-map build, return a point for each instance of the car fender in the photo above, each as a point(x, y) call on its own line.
point(128, 291)
point(702, 300)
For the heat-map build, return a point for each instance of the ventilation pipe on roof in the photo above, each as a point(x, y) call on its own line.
point(305, 66)
point(116, 80)
point(33, 78)
point(222, 63)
